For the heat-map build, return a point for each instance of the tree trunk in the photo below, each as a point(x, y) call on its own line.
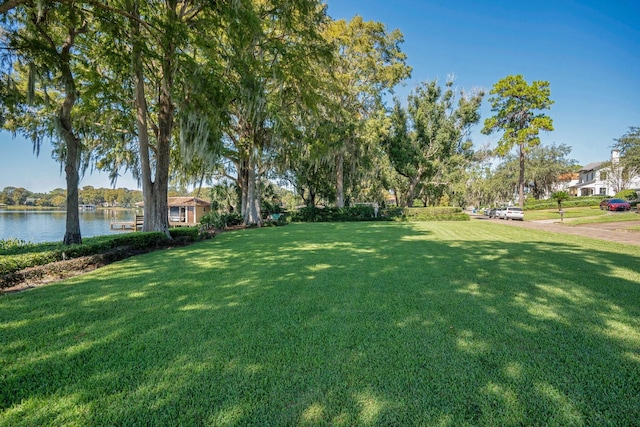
point(73, 146)
point(521, 179)
point(243, 183)
point(155, 191)
point(160, 217)
point(142, 125)
point(72, 233)
point(340, 180)
point(411, 191)
point(253, 214)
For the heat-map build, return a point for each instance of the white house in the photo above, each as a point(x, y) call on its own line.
point(605, 178)
point(567, 182)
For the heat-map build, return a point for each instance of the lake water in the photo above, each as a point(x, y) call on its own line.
point(49, 226)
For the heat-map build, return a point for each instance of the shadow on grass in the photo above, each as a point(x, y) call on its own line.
point(346, 324)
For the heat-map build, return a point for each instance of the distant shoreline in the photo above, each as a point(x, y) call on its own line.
point(58, 209)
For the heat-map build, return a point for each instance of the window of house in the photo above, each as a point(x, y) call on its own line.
point(176, 214)
point(603, 191)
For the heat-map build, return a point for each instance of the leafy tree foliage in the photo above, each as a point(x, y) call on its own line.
point(369, 63)
point(42, 95)
point(272, 66)
point(545, 166)
point(629, 147)
point(428, 139)
point(516, 104)
point(560, 196)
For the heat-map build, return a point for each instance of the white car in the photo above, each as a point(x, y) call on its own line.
point(512, 212)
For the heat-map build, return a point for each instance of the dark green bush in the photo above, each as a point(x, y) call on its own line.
point(231, 219)
point(391, 212)
point(210, 220)
point(187, 234)
point(30, 255)
point(216, 220)
point(280, 219)
point(334, 214)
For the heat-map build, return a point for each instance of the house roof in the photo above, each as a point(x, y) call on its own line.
point(591, 166)
point(183, 201)
point(187, 201)
point(569, 176)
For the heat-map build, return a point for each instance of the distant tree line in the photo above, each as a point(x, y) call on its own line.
point(121, 197)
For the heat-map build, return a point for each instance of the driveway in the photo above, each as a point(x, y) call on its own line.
point(611, 231)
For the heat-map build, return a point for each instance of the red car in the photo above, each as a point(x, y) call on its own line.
point(615, 205)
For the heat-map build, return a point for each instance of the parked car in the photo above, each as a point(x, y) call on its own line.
point(498, 213)
point(512, 213)
point(491, 213)
point(615, 205)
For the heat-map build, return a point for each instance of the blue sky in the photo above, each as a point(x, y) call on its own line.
point(589, 51)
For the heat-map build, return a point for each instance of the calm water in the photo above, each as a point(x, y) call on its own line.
point(49, 226)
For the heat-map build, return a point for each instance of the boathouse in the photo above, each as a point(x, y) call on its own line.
point(185, 211)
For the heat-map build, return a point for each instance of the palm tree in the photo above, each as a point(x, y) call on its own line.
point(559, 196)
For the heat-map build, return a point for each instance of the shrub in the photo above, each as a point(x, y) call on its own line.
point(11, 243)
point(231, 219)
point(391, 212)
point(572, 202)
point(32, 254)
point(187, 234)
point(436, 214)
point(627, 195)
point(275, 220)
point(216, 220)
point(334, 214)
point(367, 213)
point(210, 220)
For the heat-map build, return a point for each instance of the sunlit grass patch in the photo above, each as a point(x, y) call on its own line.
point(466, 323)
point(609, 217)
point(568, 213)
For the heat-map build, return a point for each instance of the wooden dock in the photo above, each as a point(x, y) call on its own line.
point(134, 225)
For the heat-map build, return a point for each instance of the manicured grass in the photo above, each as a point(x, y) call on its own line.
point(536, 215)
point(457, 323)
point(611, 217)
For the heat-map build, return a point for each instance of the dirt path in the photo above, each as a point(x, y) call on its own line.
point(611, 231)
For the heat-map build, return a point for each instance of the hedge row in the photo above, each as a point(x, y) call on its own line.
point(368, 213)
point(573, 202)
point(334, 214)
point(436, 214)
point(17, 257)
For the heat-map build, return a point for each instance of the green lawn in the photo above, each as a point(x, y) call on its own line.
point(348, 324)
point(581, 212)
point(610, 217)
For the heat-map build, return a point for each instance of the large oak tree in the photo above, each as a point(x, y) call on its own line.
point(428, 139)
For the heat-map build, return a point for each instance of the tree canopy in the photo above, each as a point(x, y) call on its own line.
point(629, 147)
point(428, 139)
point(517, 106)
point(241, 94)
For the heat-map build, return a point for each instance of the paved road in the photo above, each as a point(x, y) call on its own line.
point(611, 231)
